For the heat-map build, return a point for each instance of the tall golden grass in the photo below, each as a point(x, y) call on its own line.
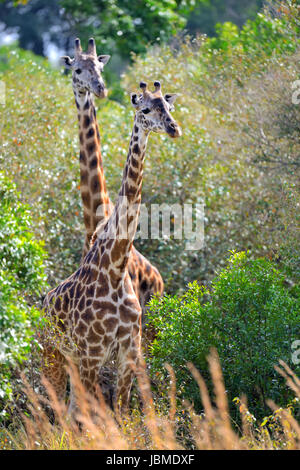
point(146, 427)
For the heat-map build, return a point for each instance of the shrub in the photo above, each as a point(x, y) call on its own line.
point(21, 280)
point(248, 315)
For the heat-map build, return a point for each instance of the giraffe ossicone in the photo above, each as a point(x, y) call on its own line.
point(96, 308)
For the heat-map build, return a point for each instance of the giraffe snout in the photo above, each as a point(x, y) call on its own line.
point(173, 129)
point(99, 90)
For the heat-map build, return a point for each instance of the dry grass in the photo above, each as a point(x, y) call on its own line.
point(147, 427)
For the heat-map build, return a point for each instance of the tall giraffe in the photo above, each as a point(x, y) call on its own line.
point(97, 308)
point(97, 207)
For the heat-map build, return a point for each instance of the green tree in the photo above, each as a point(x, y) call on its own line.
point(128, 25)
point(248, 315)
point(22, 280)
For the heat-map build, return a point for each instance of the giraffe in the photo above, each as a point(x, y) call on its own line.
point(97, 207)
point(96, 308)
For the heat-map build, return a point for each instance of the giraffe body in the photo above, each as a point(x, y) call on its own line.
point(96, 308)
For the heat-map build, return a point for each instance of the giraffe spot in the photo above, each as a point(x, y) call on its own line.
point(96, 204)
point(83, 177)
point(98, 328)
point(104, 307)
point(81, 343)
point(71, 291)
point(135, 331)
point(76, 316)
point(132, 303)
point(93, 163)
point(136, 129)
point(88, 315)
point(135, 138)
point(86, 121)
point(95, 183)
point(91, 148)
point(106, 340)
point(103, 287)
point(130, 191)
point(110, 323)
point(104, 263)
point(144, 286)
point(81, 329)
point(134, 162)
point(132, 174)
point(86, 198)
point(81, 304)
point(120, 292)
point(123, 263)
point(81, 137)
point(79, 289)
point(136, 149)
point(66, 302)
point(126, 343)
point(95, 351)
point(118, 249)
point(93, 337)
point(114, 279)
point(57, 305)
point(90, 133)
point(86, 104)
point(87, 220)
point(127, 315)
point(123, 331)
point(114, 297)
point(84, 363)
point(109, 244)
point(92, 363)
point(82, 157)
point(94, 274)
point(90, 291)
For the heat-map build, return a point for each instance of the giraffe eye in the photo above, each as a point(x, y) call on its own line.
point(146, 110)
point(78, 71)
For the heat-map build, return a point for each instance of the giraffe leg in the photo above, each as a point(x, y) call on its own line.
point(89, 375)
point(127, 367)
point(54, 371)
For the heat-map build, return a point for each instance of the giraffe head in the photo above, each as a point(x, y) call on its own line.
point(153, 110)
point(86, 69)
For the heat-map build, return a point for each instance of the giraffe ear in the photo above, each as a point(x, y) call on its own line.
point(103, 59)
point(170, 98)
point(134, 100)
point(67, 62)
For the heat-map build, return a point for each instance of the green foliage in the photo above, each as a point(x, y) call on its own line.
point(21, 280)
point(248, 315)
point(209, 13)
point(124, 27)
point(39, 143)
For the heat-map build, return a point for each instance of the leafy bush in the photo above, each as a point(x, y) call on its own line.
point(248, 315)
point(21, 280)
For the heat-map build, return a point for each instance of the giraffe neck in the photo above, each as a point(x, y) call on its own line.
point(92, 181)
point(121, 228)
